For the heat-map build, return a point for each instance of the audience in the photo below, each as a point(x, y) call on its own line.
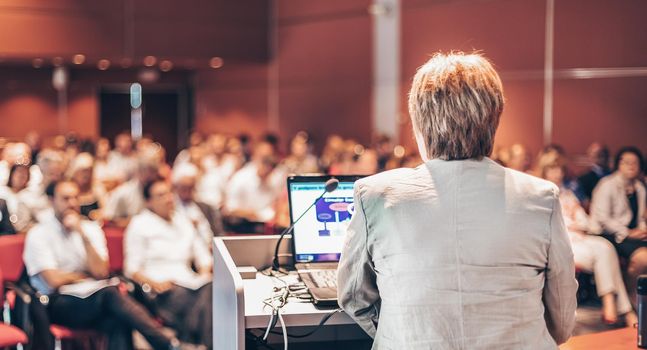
point(618, 208)
point(245, 181)
point(160, 246)
point(14, 153)
point(519, 158)
point(301, 160)
point(12, 194)
point(598, 157)
point(65, 250)
point(92, 193)
point(122, 158)
point(103, 174)
point(127, 200)
point(253, 190)
point(592, 253)
point(51, 165)
point(184, 181)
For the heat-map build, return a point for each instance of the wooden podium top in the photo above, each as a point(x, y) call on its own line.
point(619, 339)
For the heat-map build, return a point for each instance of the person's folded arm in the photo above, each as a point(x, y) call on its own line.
point(357, 289)
point(57, 278)
point(560, 288)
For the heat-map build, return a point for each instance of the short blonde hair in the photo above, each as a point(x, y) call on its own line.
point(455, 104)
point(547, 160)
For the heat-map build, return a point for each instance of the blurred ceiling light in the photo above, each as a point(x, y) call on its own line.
point(57, 61)
point(398, 151)
point(216, 62)
point(126, 62)
point(150, 61)
point(166, 65)
point(103, 64)
point(148, 75)
point(78, 59)
point(37, 62)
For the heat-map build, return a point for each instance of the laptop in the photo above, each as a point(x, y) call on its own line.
point(318, 238)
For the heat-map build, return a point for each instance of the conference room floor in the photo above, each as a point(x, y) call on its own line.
point(589, 320)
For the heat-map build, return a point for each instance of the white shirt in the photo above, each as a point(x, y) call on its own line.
point(20, 215)
point(125, 201)
point(39, 205)
point(49, 247)
point(126, 165)
point(103, 172)
point(163, 251)
point(210, 188)
point(246, 192)
point(193, 213)
point(225, 167)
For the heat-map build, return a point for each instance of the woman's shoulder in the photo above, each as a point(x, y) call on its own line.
point(385, 178)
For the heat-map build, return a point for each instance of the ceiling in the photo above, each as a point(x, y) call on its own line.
point(124, 32)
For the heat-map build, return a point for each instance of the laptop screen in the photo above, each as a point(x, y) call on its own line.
point(319, 235)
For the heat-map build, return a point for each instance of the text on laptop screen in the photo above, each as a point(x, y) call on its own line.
point(319, 235)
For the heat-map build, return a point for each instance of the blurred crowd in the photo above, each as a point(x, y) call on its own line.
point(221, 184)
point(239, 181)
point(234, 178)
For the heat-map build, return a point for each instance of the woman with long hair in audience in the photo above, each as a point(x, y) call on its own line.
point(617, 210)
point(592, 253)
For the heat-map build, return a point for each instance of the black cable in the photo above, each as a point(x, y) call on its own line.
point(258, 340)
point(305, 335)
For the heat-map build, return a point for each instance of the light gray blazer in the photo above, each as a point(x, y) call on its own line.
point(458, 255)
point(610, 211)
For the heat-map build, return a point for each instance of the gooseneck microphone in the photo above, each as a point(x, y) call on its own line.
point(331, 185)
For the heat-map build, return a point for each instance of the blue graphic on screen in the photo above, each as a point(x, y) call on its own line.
point(333, 210)
point(319, 236)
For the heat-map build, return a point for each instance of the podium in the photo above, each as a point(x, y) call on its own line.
point(238, 304)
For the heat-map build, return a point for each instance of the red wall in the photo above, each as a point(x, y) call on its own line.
point(496, 29)
point(232, 99)
point(324, 68)
point(602, 34)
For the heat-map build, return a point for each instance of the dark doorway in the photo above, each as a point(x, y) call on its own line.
point(165, 116)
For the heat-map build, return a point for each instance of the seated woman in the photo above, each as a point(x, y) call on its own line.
point(592, 253)
point(617, 209)
point(12, 194)
point(91, 193)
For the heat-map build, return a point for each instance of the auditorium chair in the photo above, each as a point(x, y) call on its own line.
point(10, 336)
point(11, 263)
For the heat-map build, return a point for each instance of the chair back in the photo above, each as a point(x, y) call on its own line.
point(1, 291)
point(11, 262)
point(115, 243)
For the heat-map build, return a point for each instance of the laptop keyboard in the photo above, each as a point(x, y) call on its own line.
point(324, 278)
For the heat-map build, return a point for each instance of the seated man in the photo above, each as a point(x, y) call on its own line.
point(65, 257)
point(254, 190)
point(159, 248)
point(126, 200)
point(51, 166)
point(184, 180)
